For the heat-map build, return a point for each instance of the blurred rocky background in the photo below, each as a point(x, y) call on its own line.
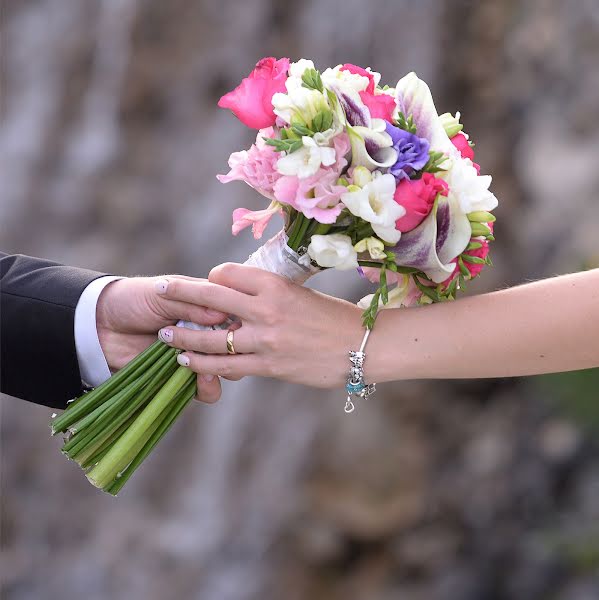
point(110, 141)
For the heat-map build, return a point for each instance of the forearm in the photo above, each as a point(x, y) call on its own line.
point(541, 327)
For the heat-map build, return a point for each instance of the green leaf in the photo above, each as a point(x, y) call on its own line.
point(317, 121)
point(435, 159)
point(475, 260)
point(427, 291)
point(406, 124)
point(479, 229)
point(383, 285)
point(311, 80)
point(474, 246)
point(327, 120)
point(463, 268)
point(301, 130)
point(288, 145)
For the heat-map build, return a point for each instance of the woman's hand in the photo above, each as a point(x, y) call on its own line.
point(129, 313)
point(287, 331)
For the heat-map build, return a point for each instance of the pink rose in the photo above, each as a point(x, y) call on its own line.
point(360, 71)
point(417, 196)
point(251, 100)
point(256, 166)
point(474, 269)
point(460, 141)
point(381, 106)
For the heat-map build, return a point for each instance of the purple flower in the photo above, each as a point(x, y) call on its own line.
point(412, 152)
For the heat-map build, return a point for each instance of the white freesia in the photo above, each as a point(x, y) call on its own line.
point(374, 203)
point(413, 97)
point(451, 124)
point(373, 246)
point(300, 102)
point(384, 157)
point(296, 70)
point(469, 188)
point(306, 161)
point(342, 80)
point(334, 250)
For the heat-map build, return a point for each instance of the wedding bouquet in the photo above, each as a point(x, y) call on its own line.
point(367, 177)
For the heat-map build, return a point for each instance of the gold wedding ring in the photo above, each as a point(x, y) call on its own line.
point(230, 345)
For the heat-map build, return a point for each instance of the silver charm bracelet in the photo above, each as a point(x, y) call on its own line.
point(356, 386)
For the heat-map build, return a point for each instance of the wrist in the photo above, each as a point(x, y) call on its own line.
point(107, 335)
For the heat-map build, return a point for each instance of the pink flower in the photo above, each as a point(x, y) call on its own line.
point(474, 269)
point(460, 141)
point(317, 197)
point(251, 100)
point(381, 106)
point(418, 196)
point(256, 166)
point(360, 71)
point(242, 218)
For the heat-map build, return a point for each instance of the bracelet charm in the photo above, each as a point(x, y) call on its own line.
point(356, 385)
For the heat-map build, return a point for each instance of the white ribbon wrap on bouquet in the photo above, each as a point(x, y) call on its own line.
point(275, 256)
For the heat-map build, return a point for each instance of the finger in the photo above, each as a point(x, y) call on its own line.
point(175, 310)
point(208, 341)
point(209, 389)
point(249, 280)
point(206, 294)
point(226, 366)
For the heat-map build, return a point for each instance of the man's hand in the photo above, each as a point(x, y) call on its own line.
point(129, 314)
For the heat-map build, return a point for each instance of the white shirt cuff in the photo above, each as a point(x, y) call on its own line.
point(92, 363)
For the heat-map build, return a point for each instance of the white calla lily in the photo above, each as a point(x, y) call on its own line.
point(437, 241)
point(372, 146)
point(413, 97)
point(375, 203)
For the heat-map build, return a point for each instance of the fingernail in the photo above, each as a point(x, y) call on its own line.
point(213, 313)
point(207, 378)
point(183, 360)
point(161, 286)
point(166, 335)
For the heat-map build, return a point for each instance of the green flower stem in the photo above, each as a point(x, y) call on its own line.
point(102, 449)
point(321, 229)
point(103, 430)
point(294, 228)
point(89, 401)
point(98, 417)
point(301, 234)
point(118, 456)
point(184, 399)
point(71, 446)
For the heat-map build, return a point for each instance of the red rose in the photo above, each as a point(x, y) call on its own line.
point(418, 196)
point(251, 100)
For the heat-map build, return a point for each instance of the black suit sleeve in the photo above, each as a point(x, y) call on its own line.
point(38, 359)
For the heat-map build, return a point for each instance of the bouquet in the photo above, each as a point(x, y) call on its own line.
point(367, 177)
